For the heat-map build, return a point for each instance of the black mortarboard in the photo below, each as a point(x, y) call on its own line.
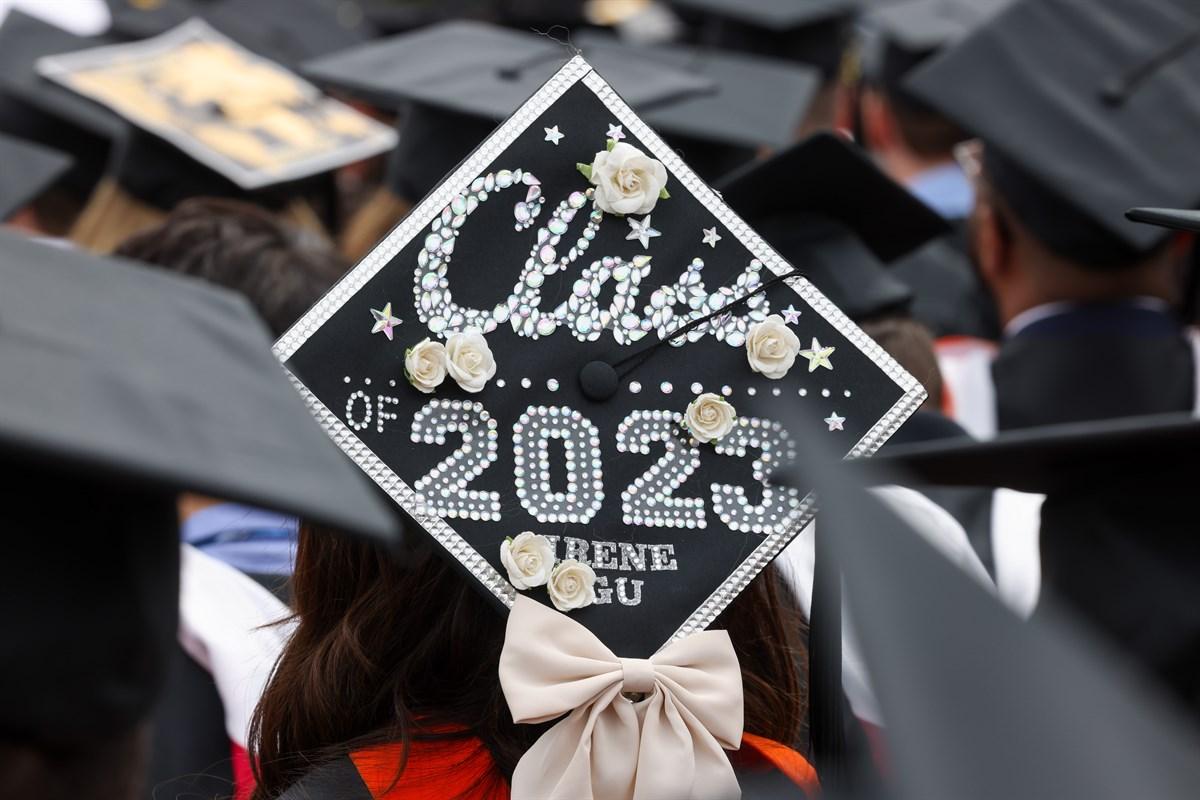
point(128, 386)
point(1068, 96)
point(811, 31)
point(828, 175)
point(567, 296)
point(141, 19)
point(456, 80)
point(1179, 219)
point(1059, 458)
point(240, 115)
point(755, 102)
point(38, 110)
point(29, 170)
point(977, 702)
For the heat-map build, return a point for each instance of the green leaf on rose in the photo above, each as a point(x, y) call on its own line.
point(663, 194)
point(610, 144)
point(585, 170)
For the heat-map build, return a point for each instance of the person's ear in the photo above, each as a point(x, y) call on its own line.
point(991, 244)
point(878, 125)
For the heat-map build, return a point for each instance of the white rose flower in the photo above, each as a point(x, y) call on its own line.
point(709, 417)
point(627, 180)
point(572, 585)
point(469, 360)
point(425, 365)
point(771, 347)
point(528, 559)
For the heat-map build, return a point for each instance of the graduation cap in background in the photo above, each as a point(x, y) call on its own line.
point(1116, 513)
point(811, 31)
point(831, 212)
point(37, 110)
point(1179, 219)
point(29, 169)
point(286, 31)
point(755, 103)
point(1069, 97)
point(979, 703)
point(577, 433)
point(130, 386)
point(896, 36)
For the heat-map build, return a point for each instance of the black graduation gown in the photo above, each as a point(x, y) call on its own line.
point(1126, 560)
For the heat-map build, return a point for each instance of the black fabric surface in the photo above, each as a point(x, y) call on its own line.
point(190, 750)
point(343, 355)
point(29, 169)
point(155, 380)
point(336, 780)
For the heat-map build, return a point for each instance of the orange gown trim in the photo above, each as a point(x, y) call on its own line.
point(463, 768)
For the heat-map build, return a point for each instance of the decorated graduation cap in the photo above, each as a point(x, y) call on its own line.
point(811, 31)
point(29, 169)
point(977, 702)
point(1068, 97)
point(824, 205)
point(129, 386)
point(241, 116)
point(555, 364)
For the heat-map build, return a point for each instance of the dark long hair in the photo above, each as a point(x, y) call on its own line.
point(384, 653)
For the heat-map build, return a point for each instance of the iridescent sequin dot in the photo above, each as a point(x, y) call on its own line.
point(804, 392)
point(526, 383)
point(346, 379)
point(665, 387)
point(776, 391)
point(500, 383)
point(846, 393)
point(392, 383)
point(367, 381)
point(824, 393)
point(697, 388)
point(726, 390)
point(752, 391)
point(634, 387)
point(552, 385)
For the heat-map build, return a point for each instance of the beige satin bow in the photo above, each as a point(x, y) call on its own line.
point(669, 745)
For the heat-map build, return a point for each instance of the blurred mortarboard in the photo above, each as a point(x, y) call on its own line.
point(811, 31)
point(39, 110)
point(229, 115)
point(456, 80)
point(129, 386)
point(141, 19)
point(837, 217)
point(754, 102)
point(977, 702)
point(897, 36)
point(29, 169)
point(1071, 98)
point(1179, 219)
point(1060, 458)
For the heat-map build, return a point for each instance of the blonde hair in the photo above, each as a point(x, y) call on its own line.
point(371, 223)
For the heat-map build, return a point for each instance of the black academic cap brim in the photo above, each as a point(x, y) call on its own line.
point(1073, 92)
point(754, 101)
point(131, 374)
point(827, 175)
point(141, 20)
point(1179, 219)
point(1051, 459)
point(29, 169)
point(780, 16)
point(979, 703)
point(482, 70)
point(917, 26)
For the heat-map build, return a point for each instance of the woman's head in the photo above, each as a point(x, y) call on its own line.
point(390, 653)
point(281, 268)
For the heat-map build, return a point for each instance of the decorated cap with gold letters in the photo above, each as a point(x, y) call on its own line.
point(571, 336)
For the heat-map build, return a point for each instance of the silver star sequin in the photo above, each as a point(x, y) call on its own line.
point(554, 135)
point(641, 231)
point(615, 133)
point(385, 322)
point(711, 237)
point(791, 315)
point(818, 356)
point(835, 422)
